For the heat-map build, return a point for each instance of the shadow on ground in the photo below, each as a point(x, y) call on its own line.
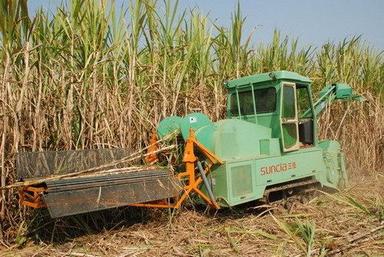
point(43, 228)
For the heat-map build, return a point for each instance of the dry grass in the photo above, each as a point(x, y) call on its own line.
point(340, 227)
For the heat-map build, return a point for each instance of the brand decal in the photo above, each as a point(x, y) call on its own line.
point(281, 167)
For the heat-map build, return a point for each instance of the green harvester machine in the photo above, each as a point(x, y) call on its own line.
point(267, 144)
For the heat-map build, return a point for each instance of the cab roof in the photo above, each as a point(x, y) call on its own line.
point(265, 77)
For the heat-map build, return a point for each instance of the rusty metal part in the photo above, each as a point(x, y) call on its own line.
point(32, 196)
point(153, 146)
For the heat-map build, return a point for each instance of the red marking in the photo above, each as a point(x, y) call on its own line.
point(281, 167)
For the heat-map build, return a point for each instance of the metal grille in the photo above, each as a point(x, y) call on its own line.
point(41, 164)
point(241, 177)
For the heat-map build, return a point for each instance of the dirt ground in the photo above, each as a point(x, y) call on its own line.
point(349, 223)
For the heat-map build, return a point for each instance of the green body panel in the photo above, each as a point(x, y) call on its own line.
point(258, 173)
point(194, 121)
point(168, 126)
point(335, 163)
point(252, 141)
point(237, 139)
point(266, 77)
point(241, 181)
point(341, 91)
point(337, 91)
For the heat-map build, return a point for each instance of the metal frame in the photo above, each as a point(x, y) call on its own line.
point(192, 181)
point(284, 121)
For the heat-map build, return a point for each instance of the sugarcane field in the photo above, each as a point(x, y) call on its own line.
point(191, 128)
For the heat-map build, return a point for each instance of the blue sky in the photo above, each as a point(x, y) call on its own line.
point(313, 22)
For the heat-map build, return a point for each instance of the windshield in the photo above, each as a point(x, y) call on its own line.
point(265, 99)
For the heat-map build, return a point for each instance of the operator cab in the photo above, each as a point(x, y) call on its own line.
point(279, 100)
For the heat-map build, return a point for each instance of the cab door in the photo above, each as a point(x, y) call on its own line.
point(289, 122)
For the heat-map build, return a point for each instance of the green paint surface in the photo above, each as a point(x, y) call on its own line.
point(254, 140)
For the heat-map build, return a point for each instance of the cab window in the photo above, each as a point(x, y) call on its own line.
point(265, 99)
point(303, 101)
